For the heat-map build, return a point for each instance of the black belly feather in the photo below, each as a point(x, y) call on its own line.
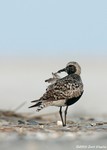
point(73, 100)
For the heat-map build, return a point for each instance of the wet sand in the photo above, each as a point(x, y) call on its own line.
point(29, 132)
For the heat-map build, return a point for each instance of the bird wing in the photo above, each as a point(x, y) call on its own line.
point(64, 88)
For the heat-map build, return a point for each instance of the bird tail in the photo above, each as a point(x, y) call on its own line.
point(39, 104)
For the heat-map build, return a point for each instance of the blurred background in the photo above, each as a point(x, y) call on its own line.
point(41, 37)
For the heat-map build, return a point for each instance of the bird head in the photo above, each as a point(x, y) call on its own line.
point(71, 68)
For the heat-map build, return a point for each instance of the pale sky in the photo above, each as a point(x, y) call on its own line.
point(32, 27)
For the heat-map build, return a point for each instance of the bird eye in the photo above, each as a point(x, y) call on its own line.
point(71, 69)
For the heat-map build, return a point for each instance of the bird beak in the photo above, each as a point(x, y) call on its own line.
point(62, 70)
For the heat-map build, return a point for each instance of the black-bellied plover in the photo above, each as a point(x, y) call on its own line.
point(64, 92)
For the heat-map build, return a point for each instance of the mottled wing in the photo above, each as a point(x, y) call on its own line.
point(64, 88)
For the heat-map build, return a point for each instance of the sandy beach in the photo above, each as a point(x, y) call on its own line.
point(31, 132)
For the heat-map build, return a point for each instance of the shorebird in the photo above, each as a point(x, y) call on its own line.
point(64, 92)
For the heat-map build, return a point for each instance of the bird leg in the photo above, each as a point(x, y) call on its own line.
point(65, 115)
point(60, 112)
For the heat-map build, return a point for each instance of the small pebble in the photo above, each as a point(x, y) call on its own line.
point(41, 126)
point(59, 123)
point(93, 124)
point(99, 123)
point(32, 122)
point(21, 122)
